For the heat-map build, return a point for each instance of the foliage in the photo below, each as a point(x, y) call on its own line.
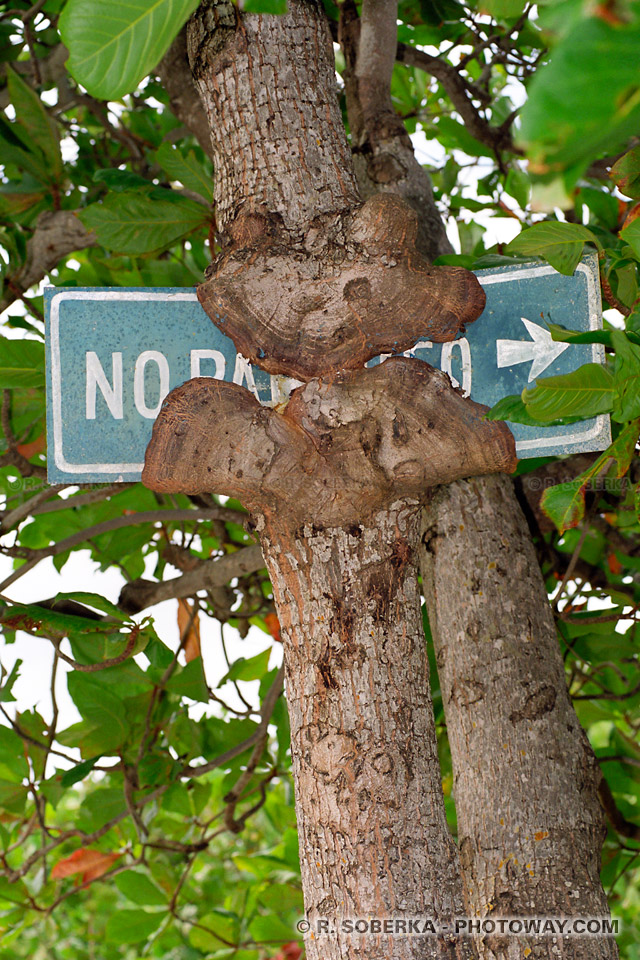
point(161, 823)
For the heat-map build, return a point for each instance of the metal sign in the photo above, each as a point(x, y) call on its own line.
point(114, 354)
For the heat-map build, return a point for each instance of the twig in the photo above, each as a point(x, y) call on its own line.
point(107, 526)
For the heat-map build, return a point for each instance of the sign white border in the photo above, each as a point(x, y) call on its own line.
point(56, 373)
point(600, 429)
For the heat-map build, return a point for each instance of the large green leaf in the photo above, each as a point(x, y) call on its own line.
point(190, 682)
point(132, 926)
point(584, 392)
point(560, 244)
point(571, 115)
point(187, 170)
point(113, 45)
point(132, 223)
point(138, 888)
point(34, 120)
point(21, 363)
point(100, 707)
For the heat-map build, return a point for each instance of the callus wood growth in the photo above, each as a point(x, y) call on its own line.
point(354, 289)
point(341, 450)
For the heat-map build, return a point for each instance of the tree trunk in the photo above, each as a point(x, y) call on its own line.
point(525, 778)
point(520, 758)
point(374, 841)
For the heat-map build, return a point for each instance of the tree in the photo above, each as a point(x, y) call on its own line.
point(333, 483)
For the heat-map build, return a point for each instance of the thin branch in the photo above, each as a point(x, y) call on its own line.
point(266, 711)
point(107, 526)
point(30, 507)
point(216, 572)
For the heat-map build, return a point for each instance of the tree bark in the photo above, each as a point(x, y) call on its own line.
point(373, 836)
point(547, 770)
point(525, 778)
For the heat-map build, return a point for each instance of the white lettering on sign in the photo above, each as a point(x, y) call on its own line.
point(243, 372)
point(465, 356)
point(216, 355)
point(150, 356)
point(96, 377)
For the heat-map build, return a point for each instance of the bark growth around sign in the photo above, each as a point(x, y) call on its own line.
point(309, 281)
point(339, 452)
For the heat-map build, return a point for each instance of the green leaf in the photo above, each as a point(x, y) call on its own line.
point(626, 173)
point(6, 696)
point(100, 707)
point(79, 772)
point(631, 235)
point(132, 926)
point(454, 135)
point(603, 206)
point(218, 928)
point(584, 392)
point(563, 125)
point(560, 244)
point(271, 929)
point(512, 408)
point(96, 601)
point(518, 186)
point(12, 751)
point(503, 9)
point(16, 147)
point(137, 887)
point(21, 363)
point(562, 335)
point(35, 121)
point(564, 504)
point(187, 170)
point(113, 46)
point(13, 796)
point(130, 223)
point(119, 180)
point(626, 378)
point(252, 668)
point(190, 682)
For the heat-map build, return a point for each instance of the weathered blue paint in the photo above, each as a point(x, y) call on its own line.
point(93, 334)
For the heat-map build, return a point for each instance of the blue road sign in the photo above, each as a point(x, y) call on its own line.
point(114, 354)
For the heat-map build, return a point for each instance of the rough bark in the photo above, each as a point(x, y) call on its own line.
point(374, 839)
point(525, 778)
point(373, 836)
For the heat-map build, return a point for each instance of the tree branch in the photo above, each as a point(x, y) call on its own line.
point(56, 235)
point(139, 594)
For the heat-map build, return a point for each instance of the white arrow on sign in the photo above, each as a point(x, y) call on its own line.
point(542, 349)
